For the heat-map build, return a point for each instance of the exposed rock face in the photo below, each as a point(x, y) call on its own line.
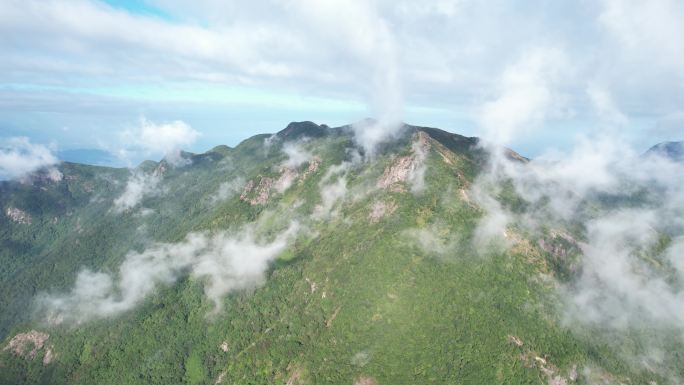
point(220, 377)
point(397, 172)
point(515, 340)
point(258, 194)
point(294, 377)
point(363, 380)
point(160, 170)
point(406, 168)
point(531, 359)
point(380, 210)
point(287, 177)
point(554, 249)
point(563, 249)
point(28, 344)
point(18, 216)
point(312, 168)
point(49, 356)
point(224, 346)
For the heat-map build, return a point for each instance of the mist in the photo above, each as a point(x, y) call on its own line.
point(224, 262)
point(19, 157)
point(138, 186)
point(623, 210)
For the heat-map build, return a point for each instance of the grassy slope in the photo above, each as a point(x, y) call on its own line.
point(392, 311)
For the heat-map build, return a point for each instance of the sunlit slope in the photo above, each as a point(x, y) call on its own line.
point(384, 282)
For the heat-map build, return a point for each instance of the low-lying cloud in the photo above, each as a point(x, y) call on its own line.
point(333, 186)
point(19, 157)
point(626, 213)
point(138, 186)
point(225, 262)
point(153, 139)
point(228, 189)
point(296, 154)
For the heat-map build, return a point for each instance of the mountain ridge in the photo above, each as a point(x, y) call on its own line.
point(369, 271)
point(672, 150)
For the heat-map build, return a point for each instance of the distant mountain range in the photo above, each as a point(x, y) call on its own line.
point(672, 150)
point(90, 156)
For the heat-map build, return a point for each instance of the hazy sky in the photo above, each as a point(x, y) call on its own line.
point(532, 75)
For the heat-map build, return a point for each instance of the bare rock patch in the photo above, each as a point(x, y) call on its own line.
point(28, 344)
point(381, 209)
point(18, 215)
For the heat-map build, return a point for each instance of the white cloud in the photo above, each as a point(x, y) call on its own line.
point(138, 186)
point(433, 238)
point(227, 263)
point(616, 287)
point(161, 139)
point(624, 209)
point(420, 149)
point(526, 95)
point(19, 157)
point(647, 32)
point(448, 55)
point(331, 193)
point(296, 155)
point(337, 190)
point(369, 40)
point(605, 106)
point(228, 189)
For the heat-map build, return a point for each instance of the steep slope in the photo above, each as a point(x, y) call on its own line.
point(380, 282)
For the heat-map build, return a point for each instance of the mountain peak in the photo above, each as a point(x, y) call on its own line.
point(671, 150)
point(296, 130)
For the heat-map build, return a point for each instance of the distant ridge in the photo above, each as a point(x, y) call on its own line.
point(672, 150)
point(91, 156)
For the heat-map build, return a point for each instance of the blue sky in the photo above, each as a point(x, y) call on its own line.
point(533, 75)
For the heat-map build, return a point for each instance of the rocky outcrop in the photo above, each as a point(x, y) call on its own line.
point(380, 210)
point(18, 216)
point(27, 345)
point(49, 356)
point(364, 380)
point(406, 168)
point(397, 172)
point(259, 193)
point(314, 163)
point(553, 374)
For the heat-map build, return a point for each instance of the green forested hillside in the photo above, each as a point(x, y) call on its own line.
point(383, 280)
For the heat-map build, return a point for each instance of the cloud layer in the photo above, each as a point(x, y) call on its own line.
point(467, 59)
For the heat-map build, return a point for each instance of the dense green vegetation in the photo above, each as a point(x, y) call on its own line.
point(352, 299)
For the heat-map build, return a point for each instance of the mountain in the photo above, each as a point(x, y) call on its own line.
point(671, 150)
point(88, 156)
point(291, 259)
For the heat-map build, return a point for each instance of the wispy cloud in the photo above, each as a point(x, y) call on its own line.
point(625, 211)
point(387, 58)
point(158, 139)
point(228, 189)
point(525, 96)
point(138, 186)
point(19, 157)
point(226, 262)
